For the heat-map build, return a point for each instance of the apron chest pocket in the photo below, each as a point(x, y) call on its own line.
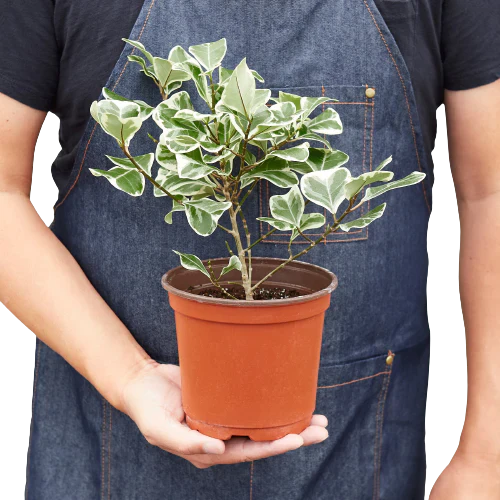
point(356, 107)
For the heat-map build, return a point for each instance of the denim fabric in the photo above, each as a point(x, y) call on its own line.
point(81, 448)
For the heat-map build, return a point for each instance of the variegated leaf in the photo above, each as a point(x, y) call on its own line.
point(203, 215)
point(364, 221)
point(276, 223)
point(320, 159)
point(192, 263)
point(358, 183)
point(273, 169)
point(146, 109)
point(144, 161)
point(128, 180)
point(328, 123)
point(409, 180)
point(326, 187)
point(209, 55)
point(297, 153)
point(239, 93)
point(234, 263)
point(192, 166)
point(288, 207)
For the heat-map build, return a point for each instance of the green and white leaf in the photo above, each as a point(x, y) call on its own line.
point(384, 163)
point(364, 221)
point(176, 207)
point(128, 180)
point(234, 263)
point(140, 46)
point(309, 104)
point(178, 186)
point(297, 153)
point(358, 183)
point(320, 159)
point(209, 55)
point(192, 263)
point(144, 161)
point(165, 157)
point(178, 101)
point(409, 180)
point(311, 136)
point(192, 166)
point(273, 169)
point(189, 114)
point(328, 123)
point(288, 207)
point(146, 109)
point(276, 223)
point(239, 93)
point(166, 72)
point(326, 187)
point(119, 119)
point(203, 215)
point(309, 221)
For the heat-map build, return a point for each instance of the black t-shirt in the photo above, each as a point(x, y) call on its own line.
point(58, 54)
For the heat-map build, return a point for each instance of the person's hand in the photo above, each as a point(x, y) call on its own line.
point(469, 477)
point(152, 398)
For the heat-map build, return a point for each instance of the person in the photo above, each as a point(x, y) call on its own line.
point(106, 374)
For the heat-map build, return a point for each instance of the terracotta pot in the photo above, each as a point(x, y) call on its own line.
point(250, 368)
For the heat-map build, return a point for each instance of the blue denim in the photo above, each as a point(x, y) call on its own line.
point(82, 448)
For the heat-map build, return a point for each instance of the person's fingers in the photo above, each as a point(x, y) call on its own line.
point(314, 434)
point(319, 420)
point(179, 439)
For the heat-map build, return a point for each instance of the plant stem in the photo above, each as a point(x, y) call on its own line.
point(145, 174)
point(263, 237)
point(249, 241)
point(247, 284)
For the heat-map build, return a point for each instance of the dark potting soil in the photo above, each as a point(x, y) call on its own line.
point(273, 293)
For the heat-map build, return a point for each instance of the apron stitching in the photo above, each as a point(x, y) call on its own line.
point(406, 98)
point(375, 448)
point(251, 479)
point(103, 430)
point(353, 381)
point(109, 450)
point(35, 383)
point(95, 126)
point(378, 455)
point(371, 156)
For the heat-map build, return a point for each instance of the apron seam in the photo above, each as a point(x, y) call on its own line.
point(354, 381)
point(405, 91)
point(379, 422)
point(33, 403)
point(252, 465)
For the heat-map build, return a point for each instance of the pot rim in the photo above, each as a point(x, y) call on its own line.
point(165, 281)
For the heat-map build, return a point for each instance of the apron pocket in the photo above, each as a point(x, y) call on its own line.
point(352, 396)
point(357, 113)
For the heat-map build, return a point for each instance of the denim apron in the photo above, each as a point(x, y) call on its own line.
point(82, 448)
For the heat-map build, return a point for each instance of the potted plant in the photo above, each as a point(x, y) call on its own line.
point(248, 328)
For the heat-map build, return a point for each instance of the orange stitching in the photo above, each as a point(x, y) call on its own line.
point(353, 381)
point(102, 446)
point(332, 103)
point(251, 480)
point(109, 450)
point(406, 98)
point(38, 350)
point(95, 126)
point(388, 381)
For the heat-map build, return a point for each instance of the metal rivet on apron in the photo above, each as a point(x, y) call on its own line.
point(370, 93)
point(390, 359)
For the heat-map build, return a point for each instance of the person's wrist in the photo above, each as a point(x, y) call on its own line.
point(480, 440)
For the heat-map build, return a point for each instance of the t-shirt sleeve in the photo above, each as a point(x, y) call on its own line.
point(29, 64)
point(470, 43)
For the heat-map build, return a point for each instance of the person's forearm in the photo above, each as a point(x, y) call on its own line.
point(42, 284)
point(480, 294)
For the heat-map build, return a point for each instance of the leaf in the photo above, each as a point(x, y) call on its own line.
point(203, 215)
point(309, 104)
point(209, 55)
point(311, 221)
point(384, 163)
point(327, 122)
point(409, 180)
point(147, 70)
point(239, 93)
point(140, 46)
point(364, 221)
point(119, 119)
point(180, 100)
point(127, 180)
point(191, 165)
point(320, 159)
point(358, 183)
point(176, 207)
point(289, 207)
point(189, 114)
point(178, 186)
point(144, 161)
point(278, 224)
point(192, 263)
point(260, 99)
point(273, 169)
point(166, 72)
point(310, 136)
point(297, 153)
point(146, 109)
point(326, 187)
point(286, 97)
point(234, 263)
point(166, 158)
